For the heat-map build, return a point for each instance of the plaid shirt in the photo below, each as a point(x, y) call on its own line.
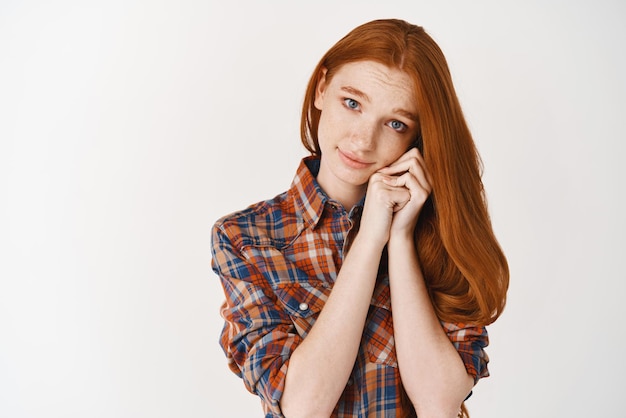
point(277, 261)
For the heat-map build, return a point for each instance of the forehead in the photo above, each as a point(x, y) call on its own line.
point(376, 80)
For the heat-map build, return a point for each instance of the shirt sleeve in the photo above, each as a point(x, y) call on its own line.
point(258, 337)
point(470, 342)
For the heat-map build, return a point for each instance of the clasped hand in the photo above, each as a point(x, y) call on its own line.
point(395, 197)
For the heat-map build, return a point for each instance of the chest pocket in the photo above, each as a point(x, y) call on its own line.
point(302, 302)
point(378, 334)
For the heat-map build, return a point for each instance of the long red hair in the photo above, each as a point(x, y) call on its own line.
point(464, 267)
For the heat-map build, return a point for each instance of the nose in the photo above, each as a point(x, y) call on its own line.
point(364, 136)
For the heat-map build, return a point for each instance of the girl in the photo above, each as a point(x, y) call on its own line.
point(364, 290)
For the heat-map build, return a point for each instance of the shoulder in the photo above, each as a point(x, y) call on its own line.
point(272, 222)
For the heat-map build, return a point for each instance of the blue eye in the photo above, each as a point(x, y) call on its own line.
point(351, 103)
point(398, 126)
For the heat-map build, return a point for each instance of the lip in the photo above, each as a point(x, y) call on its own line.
point(352, 160)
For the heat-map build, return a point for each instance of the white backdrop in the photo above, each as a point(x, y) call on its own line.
point(128, 127)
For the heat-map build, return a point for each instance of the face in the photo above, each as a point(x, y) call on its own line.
point(368, 120)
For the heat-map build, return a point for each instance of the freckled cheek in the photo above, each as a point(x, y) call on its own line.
point(322, 135)
point(326, 128)
point(391, 154)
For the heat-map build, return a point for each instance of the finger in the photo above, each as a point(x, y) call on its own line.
point(408, 181)
point(403, 163)
point(398, 167)
point(389, 190)
point(418, 192)
point(399, 197)
point(422, 164)
point(379, 177)
point(414, 168)
point(422, 176)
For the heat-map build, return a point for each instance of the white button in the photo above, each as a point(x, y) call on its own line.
point(350, 382)
point(303, 306)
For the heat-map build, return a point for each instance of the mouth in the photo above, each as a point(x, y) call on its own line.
point(352, 160)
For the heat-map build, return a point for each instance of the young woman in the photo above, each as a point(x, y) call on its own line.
point(364, 290)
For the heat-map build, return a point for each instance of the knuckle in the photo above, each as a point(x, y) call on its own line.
point(414, 153)
point(376, 177)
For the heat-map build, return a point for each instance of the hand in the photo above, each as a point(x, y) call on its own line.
point(382, 200)
point(408, 173)
point(395, 197)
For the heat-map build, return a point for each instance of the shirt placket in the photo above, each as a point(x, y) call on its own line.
point(344, 228)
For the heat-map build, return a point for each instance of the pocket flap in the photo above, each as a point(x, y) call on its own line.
point(302, 299)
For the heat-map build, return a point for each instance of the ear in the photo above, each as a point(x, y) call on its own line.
point(320, 89)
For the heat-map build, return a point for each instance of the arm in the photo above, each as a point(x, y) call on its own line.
point(293, 376)
point(258, 336)
point(321, 365)
point(433, 373)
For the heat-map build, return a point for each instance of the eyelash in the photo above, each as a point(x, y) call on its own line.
point(348, 100)
point(402, 129)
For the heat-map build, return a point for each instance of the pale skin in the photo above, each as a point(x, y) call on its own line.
point(367, 124)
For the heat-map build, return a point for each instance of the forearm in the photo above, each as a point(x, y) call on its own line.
point(432, 371)
point(321, 365)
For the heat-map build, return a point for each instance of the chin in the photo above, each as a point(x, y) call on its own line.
point(356, 179)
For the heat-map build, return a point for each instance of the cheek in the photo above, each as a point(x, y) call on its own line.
point(322, 133)
point(393, 152)
point(327, 129)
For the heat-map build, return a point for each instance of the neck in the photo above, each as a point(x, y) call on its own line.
point(346, 194)
point(348, 202)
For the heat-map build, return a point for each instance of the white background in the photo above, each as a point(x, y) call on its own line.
point(128, 127)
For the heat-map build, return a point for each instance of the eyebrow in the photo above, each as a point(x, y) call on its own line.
point(362, 95)
point(406, 114)
point(356, 92)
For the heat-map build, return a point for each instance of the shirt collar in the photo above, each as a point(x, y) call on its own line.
point(309, 196)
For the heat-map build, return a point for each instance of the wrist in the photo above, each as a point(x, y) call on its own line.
point(402, 238)
point(368, 244)
point(402, 245)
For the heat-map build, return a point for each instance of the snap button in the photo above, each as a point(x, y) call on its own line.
point(303, 306)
